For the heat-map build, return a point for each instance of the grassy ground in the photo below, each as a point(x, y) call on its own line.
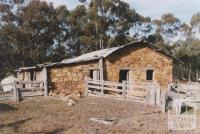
point(50, 116)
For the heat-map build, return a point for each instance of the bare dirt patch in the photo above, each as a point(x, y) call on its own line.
point(50, 116)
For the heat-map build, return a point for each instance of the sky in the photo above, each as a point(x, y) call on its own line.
point(183, 9)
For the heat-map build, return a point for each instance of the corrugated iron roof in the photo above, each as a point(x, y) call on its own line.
point(95, 55)
point(91, 56)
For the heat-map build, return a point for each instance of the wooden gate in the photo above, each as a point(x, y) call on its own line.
point(9, 95)
point(23, 89)
point(138, 91)
point(32, 88)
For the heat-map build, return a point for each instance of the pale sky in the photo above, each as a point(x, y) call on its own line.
point(183, 9)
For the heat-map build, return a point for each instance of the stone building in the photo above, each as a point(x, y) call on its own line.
point(134, 62)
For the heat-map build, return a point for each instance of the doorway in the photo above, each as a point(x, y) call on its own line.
point(124, 75)
point(95, 74)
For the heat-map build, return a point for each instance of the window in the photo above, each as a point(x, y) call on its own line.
point(123, 75)
point(149, 75)
point(94, 74)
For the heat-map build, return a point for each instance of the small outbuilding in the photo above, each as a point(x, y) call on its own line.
point(133, 62)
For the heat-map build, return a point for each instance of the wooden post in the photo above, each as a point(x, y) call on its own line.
point(124, 89)
point(86, 86)
point(102, 87)
point(101, 69)
point(45, 88)
point(157, 95)
point(16, 92)
point(163, 103)
point(45, 82)
point(190, 73)
point(152, 90)
point(101, 75)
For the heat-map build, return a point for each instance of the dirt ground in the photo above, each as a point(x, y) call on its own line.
point(49, 116)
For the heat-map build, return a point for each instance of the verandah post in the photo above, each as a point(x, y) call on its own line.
point(45, 82)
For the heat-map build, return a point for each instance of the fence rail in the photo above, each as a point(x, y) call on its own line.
point(8, 95)
point(184, 94)
point(32, 88)
point(147, 92)
point(97, 87)
point(19, 89)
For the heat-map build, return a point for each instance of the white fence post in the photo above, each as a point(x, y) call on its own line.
point(102, 87)
point(16, 91)
point(45, 88)
point(124, 89)
point(86, 86)
point(163, 101)
point(151, 88)
point(157, 95)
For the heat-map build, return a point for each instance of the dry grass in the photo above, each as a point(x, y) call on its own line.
point(50, 116)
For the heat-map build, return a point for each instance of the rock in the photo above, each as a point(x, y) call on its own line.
point(65, 99)
point(71, 102)
point(78, 95)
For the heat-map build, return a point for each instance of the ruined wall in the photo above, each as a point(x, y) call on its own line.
point(69, 79)
point(138, 60)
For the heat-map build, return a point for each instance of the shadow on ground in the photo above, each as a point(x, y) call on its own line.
point(14, 125)
point(6, 108)
point(56, 131)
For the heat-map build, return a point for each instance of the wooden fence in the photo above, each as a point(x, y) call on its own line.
point(21, 89)
point(106, 88)
point(32, 88)
point(147, 92)
point(9, 95)
point(184, 93)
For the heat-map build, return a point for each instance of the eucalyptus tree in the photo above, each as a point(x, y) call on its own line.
point(27, 36)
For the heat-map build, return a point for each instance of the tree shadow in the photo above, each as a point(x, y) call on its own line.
point(15, 125)
point(6, 108)
point(56, 131)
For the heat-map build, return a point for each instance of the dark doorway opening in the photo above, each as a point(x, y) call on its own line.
point(32, 75)
point(149, 75)
point(123, 75)
point(94, 74)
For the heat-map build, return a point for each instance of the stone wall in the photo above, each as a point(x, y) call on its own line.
point(69, 79)
point(138, 61)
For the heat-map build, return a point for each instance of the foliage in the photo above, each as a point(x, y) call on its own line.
point(41, 33)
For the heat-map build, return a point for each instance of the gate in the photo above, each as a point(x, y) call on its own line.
point(32, 88)
point(147, 92)
point(22, 89)
point(8, 95)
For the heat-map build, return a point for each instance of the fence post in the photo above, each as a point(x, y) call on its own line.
point(157, 95)
point(16, 92)
point(124, 89)
point(163, 103)
point(102, 87)
point(45, 81)
point(45, 88)
point(86, 86)
point(152, 92)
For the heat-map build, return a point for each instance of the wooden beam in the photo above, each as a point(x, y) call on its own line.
point(45, 82)
point(86, 86)
point(101, 69)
